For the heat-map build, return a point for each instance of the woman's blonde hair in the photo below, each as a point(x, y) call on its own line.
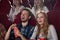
point(35, 5)
point(45, 25)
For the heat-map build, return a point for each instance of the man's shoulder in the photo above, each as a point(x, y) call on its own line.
point(19, 25)
point(31, 26)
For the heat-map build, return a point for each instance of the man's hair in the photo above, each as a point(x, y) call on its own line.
point(29, 12)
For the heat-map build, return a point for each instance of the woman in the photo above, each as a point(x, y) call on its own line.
point(38, 5)
point(43, 29)
point(15, 9)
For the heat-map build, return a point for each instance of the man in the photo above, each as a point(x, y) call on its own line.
point(24, 30)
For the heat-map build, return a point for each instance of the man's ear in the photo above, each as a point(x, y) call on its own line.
point(29, 17)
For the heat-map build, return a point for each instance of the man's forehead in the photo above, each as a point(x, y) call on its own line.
point(25, 11)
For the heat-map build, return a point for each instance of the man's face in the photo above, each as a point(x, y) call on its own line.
point(24, 16)
point(16, 2)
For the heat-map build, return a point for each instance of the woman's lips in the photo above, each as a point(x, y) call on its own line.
point(40, 21)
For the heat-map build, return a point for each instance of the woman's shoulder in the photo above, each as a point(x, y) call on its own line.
point(51, 27)
point(22, 7)
point(36, 28)
point(44, 7)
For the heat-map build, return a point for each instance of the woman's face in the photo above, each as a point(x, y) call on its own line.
point(38, 2)
point(16, 2)
point(40, 18)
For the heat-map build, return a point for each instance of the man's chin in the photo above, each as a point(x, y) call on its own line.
point(24, 21)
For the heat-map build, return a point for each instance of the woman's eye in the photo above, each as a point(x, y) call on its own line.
point(42, 17)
